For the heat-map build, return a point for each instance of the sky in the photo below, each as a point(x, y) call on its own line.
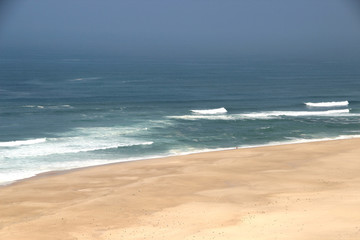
point(141, 27)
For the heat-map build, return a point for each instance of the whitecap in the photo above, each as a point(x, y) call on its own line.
point(204, 117)
point(210, 111)
point(327, 104)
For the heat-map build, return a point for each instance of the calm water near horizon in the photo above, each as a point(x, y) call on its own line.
point(63, 113)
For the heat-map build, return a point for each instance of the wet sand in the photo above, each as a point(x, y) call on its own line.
point(299, 191)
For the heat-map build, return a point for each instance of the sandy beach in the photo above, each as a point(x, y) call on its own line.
point(299, 191)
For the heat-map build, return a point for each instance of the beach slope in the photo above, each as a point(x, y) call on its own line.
point(298, 191)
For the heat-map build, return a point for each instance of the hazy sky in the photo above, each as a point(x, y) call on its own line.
point(182, 26)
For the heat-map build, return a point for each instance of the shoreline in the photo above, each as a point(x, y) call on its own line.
point(294, 191)
point(271, 144)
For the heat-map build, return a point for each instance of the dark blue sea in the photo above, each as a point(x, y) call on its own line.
point(61, 113)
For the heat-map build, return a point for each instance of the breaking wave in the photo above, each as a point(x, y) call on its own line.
point(327, 104)
point(211, 111)
point(296, 113)
point(267, 115)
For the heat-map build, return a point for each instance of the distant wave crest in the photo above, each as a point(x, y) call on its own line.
point(84, 79)
point(22, 142)
point(265, 115)
point(65, 106)
point(296, 113)
point(33, 106)
point(327, 104)
point(211, 111)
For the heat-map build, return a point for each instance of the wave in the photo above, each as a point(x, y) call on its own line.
point(97, 148)
point(205, 117)
point(60, 107)
point(266, 115)
point(54, 147)
point(84, 79)
point(65, 106)
point(328, 104)
point(22, 142)
point(296, 113)
point(33, 106)
point(211, 111)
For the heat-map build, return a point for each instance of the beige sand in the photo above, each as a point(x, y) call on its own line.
point(301, 191)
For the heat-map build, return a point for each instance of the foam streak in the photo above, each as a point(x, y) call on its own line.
point(22, 142)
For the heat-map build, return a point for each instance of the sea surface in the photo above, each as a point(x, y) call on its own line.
point(60, 113)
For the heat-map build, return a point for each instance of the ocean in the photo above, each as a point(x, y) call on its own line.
point(60, 113)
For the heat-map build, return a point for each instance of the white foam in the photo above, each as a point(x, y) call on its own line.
point(266, 115)
point(328, 104)
point(211, 111)
point(35, 169)
point(9, 177)
point(75, 141)
point(296, 113)
point(22, 142)
point(66, 146)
